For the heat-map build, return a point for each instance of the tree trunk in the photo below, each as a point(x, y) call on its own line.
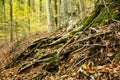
point(56, 13)
point(49, 16)
point(29, 4)
point(4, 20)
point(82, 9)
point(11, 21)
point(33, 5)
point(64, 13)
point(40, 10)
point(59, 14)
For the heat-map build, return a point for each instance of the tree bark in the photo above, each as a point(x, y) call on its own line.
point(56, 13)
point(49, 16)
point(11, 20)
point(82, 9)
point(33, 5)
point(29, 29)
point(40, 10)
point(4, 19)
point(64, 13)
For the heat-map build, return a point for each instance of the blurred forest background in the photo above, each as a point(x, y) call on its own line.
point(21, 18)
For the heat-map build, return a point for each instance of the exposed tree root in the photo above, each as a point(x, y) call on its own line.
point(92, 36)
point(31, 64)
point(31, 50)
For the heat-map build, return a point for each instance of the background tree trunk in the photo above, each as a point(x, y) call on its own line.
point(33, 5)
point(40, 10)
point(59, 14)
point(29, 4)
point(4, 20)
point(49, 16)
point(11, 20)
point(56, 13)
point(64, 12)
point(82, 9)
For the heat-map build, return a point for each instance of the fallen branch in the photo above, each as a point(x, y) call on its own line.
point(92, 36)
point(60, 51)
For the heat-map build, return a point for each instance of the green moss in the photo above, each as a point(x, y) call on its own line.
point(90, 18)
point(105, 15)
point(74, 31)
point(100, 19)
point(101, 16)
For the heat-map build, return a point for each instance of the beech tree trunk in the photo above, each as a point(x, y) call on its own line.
point(4, 19)
point(40, 10)
point(64, 12)
point(56, 13)
point(29, 4)
point(49, 16)
point(82, 9)
point(11, 20)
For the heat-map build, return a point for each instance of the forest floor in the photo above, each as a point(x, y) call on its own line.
point(92, 55)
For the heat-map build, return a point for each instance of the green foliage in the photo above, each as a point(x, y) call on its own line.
point(21, 13)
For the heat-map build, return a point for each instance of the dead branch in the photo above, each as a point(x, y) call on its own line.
point(60, 51)
point(91, 36)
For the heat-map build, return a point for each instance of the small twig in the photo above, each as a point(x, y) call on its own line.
point(116, 20)
point(94, 29)
point(81, 61)
point(78, 50)
point(40, 75)
point(86, 73)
